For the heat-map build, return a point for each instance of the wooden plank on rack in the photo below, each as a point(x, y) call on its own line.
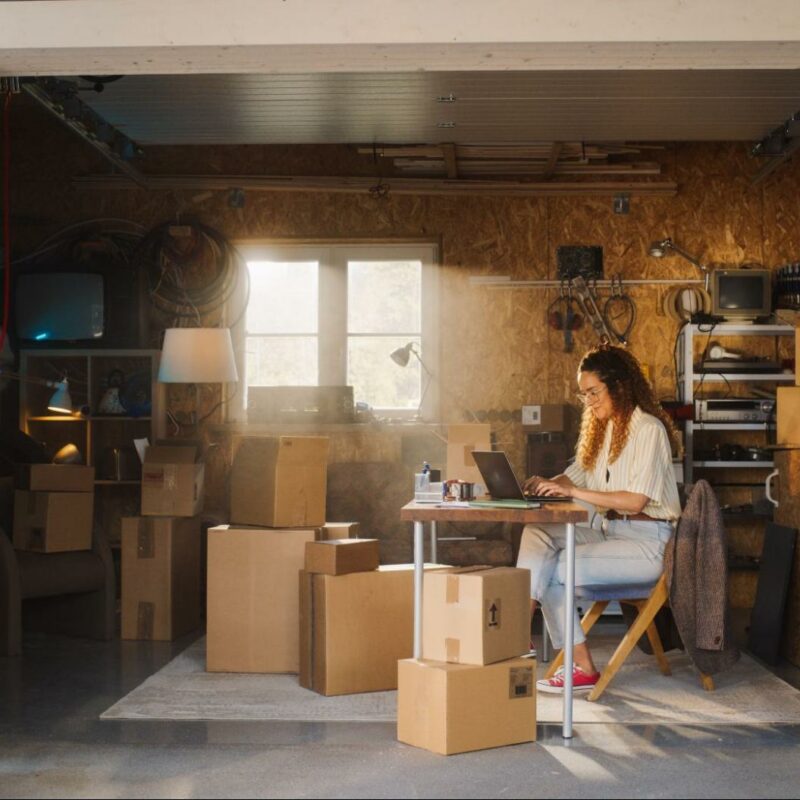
point(552, 160)
point(328, 183)
point(450, 159)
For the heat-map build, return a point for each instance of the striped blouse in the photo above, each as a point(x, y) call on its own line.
point(644, 466)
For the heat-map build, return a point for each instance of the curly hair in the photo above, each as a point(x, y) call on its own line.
point(628, 388)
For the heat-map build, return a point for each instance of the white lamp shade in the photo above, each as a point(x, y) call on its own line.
point(61, 400)
point(197, 355)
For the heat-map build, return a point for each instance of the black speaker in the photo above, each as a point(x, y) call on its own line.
point(578, 260)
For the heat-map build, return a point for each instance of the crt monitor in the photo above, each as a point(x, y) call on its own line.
point(59, 306)
point(741, 294)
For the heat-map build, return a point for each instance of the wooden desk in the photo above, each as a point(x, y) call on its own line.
point(566, 513)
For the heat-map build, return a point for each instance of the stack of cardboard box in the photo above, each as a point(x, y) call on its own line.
point(356, 618)
point(278, 489)
point(471, 690)
point(161, 549)
point(53, 508)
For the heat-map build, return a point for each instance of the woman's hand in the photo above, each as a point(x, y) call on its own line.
point(552, 489)
point(531, 486)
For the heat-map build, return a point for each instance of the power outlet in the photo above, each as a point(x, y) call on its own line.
point(531, 415)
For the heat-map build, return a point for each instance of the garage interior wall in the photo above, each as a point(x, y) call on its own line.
point(497, 353)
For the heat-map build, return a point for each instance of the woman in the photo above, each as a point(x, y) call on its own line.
point(623, 471)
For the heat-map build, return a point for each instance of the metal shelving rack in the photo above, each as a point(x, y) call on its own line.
point(688, 377)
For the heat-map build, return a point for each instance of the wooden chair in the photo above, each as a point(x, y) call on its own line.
point(648, 599)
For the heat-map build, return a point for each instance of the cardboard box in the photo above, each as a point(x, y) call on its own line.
point(280, 482)
point(342, 556)
point(461, 441)
point(253, 607)
point(55, 478)
point(172, 480)
point(553, 418)
point(457, 708)
point(53, 522)
point(340, 530)
point(354, 629)
point(160, 577)
point(476, 615)
point(788, 415)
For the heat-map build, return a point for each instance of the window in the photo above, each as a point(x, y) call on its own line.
point(332, 315)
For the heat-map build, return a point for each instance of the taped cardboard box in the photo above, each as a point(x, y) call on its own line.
point(458, 708)
point(462, 440)
point(172, 480)
point(253, 608)
point(340, 530)
point(280, 482)
point(342, 556)
point(476, 615)
point(53, 522)
point(788, 414)
point(160, 577)
point(55, 477)
point(551, 418)
point(354, 629)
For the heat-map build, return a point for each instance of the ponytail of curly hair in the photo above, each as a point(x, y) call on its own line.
point(622, 374)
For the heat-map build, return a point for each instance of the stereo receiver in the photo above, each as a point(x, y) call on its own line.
point(734, 409)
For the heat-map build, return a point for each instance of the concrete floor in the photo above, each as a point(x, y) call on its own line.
point(52, 744)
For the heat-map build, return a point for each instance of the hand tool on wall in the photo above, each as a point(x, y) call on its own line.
point(619, 311)
point(591, 311)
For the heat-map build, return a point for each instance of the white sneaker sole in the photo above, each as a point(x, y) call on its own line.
point(543, 686)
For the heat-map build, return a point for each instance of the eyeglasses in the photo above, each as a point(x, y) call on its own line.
point(590, 397)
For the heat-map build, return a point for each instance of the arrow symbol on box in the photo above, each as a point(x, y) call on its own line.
point(493, 611)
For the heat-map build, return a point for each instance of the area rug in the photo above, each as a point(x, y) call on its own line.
point(746, 695)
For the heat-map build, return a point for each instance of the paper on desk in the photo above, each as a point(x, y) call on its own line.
point(454, 504)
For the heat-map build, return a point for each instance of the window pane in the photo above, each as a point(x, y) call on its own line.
point(376, 379)
point(282, 361)
point(384, 296)
point(283, 297)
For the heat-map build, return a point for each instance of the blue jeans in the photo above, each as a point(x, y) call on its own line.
point(607, 552)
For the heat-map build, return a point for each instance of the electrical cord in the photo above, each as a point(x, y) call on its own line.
point(6, 217)
point(169, 266)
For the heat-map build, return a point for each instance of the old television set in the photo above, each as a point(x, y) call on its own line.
point(741, 294)
point(59, 306)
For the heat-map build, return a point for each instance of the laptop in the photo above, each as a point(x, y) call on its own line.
point(502, 483)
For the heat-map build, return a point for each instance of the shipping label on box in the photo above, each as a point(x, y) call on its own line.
point(160, 577)
point(53, 522)
point(172, 481)
point(476, 615)
point(280, 482)
point(457, 708)
point(462, 441)
point(253, 606)
point(550, 418)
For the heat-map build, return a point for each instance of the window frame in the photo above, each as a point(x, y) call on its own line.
point(332, 335)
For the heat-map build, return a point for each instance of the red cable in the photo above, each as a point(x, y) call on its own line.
point(6, 218)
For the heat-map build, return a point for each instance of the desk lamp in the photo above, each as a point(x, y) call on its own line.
point(664, 246)
point(60, 401)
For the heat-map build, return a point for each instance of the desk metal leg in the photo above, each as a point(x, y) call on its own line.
point(569, 630)
point(419, 560)
point(545, 642)
point(434, 543)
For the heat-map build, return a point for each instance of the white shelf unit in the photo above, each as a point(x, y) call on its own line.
point(95, 435)
point(688, 378)
point(87, 371)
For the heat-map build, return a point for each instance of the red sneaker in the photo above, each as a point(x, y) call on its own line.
point(581, 682)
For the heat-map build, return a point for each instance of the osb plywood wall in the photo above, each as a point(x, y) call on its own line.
point(497, 353)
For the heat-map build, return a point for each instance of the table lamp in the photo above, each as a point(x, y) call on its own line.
point(197, 355)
